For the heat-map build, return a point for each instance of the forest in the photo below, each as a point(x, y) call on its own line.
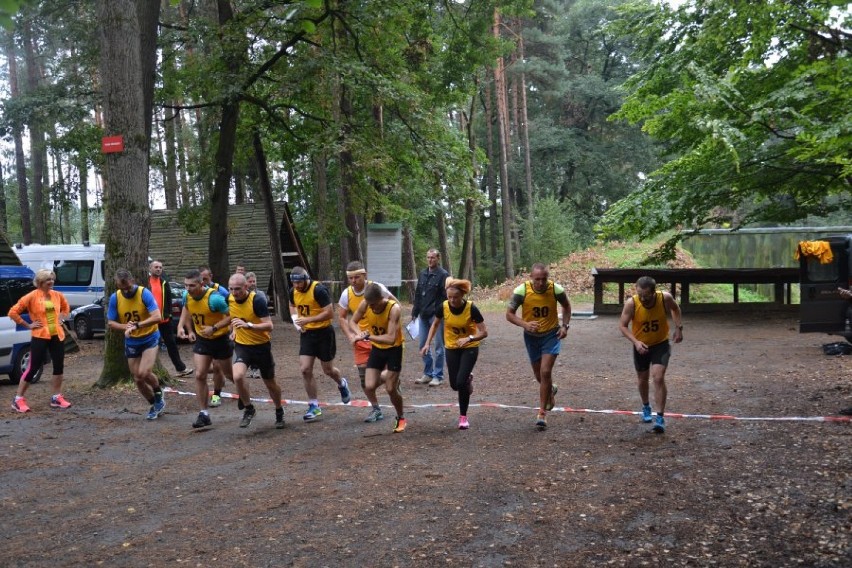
point(502, 132)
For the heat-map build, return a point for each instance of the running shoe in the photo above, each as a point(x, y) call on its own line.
point(58, 401)
point(279, 418)
point(541, 421)
point(186, 372)
point(312, 414)
point(646, 413)
point(375, 415)
point(424, 380)
point(215, 400)
point(463, 423)
point(20, 404)
point(159, 406)
point(399, 425)
point(552, 400)
point(436, 382)
point(345, 395)
point(247, 416)
point(202, 421)
point(659, 424)
point(152, 413)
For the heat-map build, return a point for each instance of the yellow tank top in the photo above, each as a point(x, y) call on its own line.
point(203, 316)
point(541, 307)
point(133, 309)
point(354, 300)
point(307, 306)
point(377, 324)
point(50, 314)
point(458, 326)
point(650, 325)
point(245, 311)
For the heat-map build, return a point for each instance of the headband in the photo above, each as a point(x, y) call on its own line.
point(354, 272)
point(299, 277)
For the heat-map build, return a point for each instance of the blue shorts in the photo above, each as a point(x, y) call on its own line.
point(538, 345)
point(135, 350)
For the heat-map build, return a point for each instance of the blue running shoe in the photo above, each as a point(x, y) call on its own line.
point(345, 395)
point(152, 413)
point(312, 414)
point(659, 425)
point(646, 413)
point(159, 406)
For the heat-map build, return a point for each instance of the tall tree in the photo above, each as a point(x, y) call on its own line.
point(17, 128)
point(754, 104)
point(126, 53)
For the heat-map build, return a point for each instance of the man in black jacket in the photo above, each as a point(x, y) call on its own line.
point(163, 294)
point(428, 297)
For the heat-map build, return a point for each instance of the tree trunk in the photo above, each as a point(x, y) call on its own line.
point(279, 277)
point(170, 183)
point(20, 161)
point(4, 222)
point(524, 130)
point(352, 238)
point(443, 241)
point(83, 168)
point(491, 177)
point(181, 155)
point(466, 261)
point(36, 141)
point(323, 214)
point(502, 119)
point(409, 267)
point(127, 218)
point(218, 243)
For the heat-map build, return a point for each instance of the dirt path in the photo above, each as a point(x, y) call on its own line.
point(98, 484)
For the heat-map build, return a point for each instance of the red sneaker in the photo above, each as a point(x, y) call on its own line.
point(58, 401)
point(20, 404)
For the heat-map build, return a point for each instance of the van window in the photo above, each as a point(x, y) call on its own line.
point(822, 272)
point(73, 272)
point(12, 290)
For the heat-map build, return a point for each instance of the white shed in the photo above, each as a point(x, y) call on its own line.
point(384, 253)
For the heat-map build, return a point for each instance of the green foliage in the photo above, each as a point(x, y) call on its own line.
point(753, 101)
point(548, 235)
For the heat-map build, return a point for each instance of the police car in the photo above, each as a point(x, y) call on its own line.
point(15, 282)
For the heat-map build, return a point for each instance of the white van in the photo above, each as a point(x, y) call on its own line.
point(79, 268)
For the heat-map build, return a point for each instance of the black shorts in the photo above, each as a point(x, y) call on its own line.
point(219, 348)
point(319, 343)
point(257, 356)
point(390, 359)
point(657, 355)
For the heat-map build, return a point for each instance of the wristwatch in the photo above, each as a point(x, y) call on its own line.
point(250, 325)
point(470, 338)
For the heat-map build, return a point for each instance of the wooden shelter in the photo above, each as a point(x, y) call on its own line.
point(249, 243)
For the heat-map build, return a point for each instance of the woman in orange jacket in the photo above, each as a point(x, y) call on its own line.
point(48, 309)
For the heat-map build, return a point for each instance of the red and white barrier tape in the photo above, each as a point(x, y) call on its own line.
point(364, 404)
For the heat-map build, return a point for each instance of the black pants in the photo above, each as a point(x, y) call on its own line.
point(171, 345)
point(39, 348)
point(460, 364)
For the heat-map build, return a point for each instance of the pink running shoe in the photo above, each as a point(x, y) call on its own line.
point(20, 404)
point(58, 401)
point(463, 423)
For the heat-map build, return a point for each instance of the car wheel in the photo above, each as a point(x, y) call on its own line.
point(83, 328)
point(22, 361)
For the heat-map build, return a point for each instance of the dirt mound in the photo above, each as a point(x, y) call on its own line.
point(574, 272)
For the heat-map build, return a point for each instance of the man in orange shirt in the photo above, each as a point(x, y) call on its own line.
point(163, 295)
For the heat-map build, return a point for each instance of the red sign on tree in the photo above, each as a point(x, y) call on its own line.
point(112, 144)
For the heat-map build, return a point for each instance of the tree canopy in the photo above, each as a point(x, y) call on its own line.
point(752, 103)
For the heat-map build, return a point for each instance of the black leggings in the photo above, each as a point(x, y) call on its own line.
point(460, 364)
point(38, 348)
